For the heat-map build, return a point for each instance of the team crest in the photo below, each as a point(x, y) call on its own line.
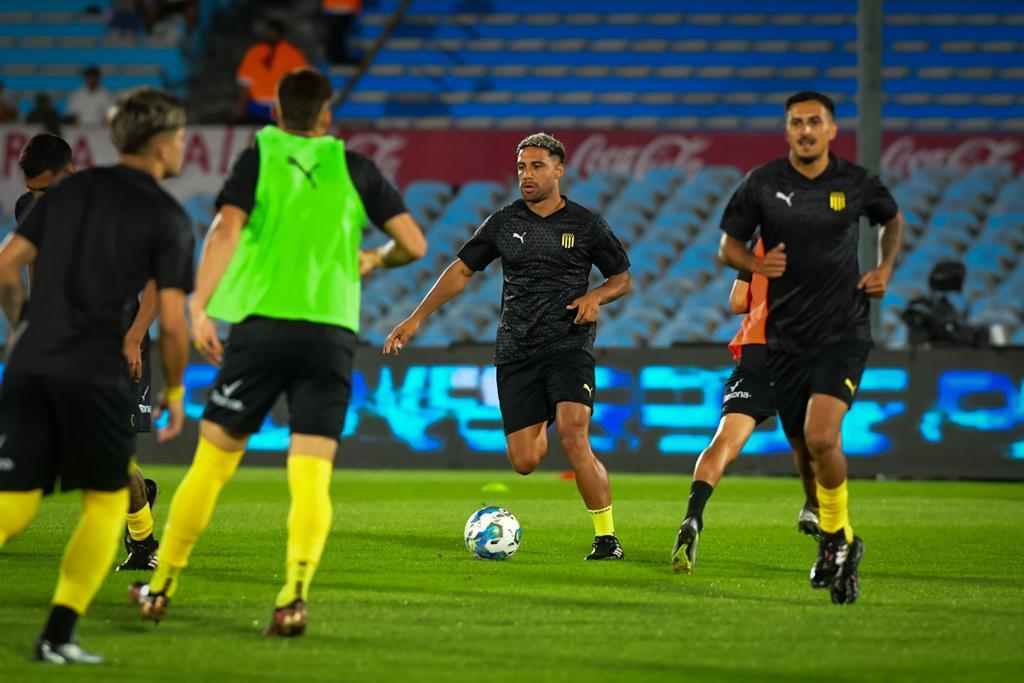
point(568, 240)
point(837, 201)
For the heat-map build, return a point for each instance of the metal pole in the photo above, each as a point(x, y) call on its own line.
point(869, 126)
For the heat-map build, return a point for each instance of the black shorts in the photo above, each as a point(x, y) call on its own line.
point(748, 390)
point(833, 370)
point(142, 407)
point(309, 363)
point(74, 431)
point(529, 390)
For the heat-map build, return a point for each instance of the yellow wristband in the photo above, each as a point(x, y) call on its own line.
point(174, 393)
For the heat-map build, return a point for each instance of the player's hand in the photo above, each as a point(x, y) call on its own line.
point(369, 261)
point(773, 265)
point(587, 308)
point(175, 414)
point(401, 335)
point(874, 282)
point(132, 350)
point(204, 334)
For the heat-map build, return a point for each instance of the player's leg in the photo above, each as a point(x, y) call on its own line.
point(139, 541)
point(525, 413)
point(27, 463)
point(807, 521)
point(526, 447)
point(17, 510)
point(734, 430)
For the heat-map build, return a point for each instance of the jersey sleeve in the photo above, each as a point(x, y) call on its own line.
point(174, 264)
point(879, 206)
point(32, 221)
point(480, 249)
point(743, 212)
point(240, 187)
point(23, 206)
point(244, 75)
point(609, 255)
point(744, 276)
point(380, 198)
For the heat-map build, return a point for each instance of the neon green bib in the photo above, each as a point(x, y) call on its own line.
point(298, 258)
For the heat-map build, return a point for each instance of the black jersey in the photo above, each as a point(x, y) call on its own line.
point(101, 235)
point(546, 263)
point(816, 301)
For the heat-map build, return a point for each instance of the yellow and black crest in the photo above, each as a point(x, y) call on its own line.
point(837, 201)
point(568, 240)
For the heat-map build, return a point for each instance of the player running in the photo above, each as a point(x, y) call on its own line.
point(96, 239)
point(547, 245)
point(282, 264)
point(746, 403)
point(807, 205)
point(46, 160)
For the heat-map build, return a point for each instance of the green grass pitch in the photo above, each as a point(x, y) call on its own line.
point(399, 598)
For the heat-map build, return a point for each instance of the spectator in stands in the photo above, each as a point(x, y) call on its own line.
point(125, 19)
point(339, 15)
point(264, 64)
point(44, 114)
point(8, 111)
point(88, 105)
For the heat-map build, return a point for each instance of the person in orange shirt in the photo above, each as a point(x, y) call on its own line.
point(747, 401)
point(262, 67)
point(339, 15)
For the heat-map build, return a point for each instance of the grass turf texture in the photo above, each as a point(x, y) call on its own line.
point(398, 597)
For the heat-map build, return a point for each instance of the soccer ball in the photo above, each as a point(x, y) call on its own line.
point(493, 533)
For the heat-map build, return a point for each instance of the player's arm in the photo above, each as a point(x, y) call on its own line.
point(874, 282)
point(174, 356)
point(587, 307)
point(735, 254)
point(739, 297)
point(407, 244)
point(132, 346)
point(452, 281)
point(218, 250)
point(15, 253)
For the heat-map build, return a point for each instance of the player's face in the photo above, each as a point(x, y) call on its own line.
point(172, 152)
point(45, 180)
point(538, 173)
point(809, 130)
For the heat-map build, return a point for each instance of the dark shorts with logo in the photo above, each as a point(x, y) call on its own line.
point(834, 369)
point(142, 408)
point(748, 390)
point(529, 390)
point(264, 358)
point(72, 431)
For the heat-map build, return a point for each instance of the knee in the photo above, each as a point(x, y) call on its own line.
point(821, 442)
point(573, 435)
point(524, 460)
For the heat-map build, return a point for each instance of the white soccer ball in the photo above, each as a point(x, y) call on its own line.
point(493, 533)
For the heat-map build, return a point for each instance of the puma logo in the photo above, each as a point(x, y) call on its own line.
point(309, 174)
point(229, 389)
point(788, 198)
point(519, 237)
point(851, 386)
point(590, 392)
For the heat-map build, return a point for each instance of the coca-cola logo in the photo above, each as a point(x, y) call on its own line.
point(383, 149)
point(679, 151)
point(903, 154)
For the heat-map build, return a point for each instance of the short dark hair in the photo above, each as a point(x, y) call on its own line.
point(812, 96)
point(140, 114)
point(301, 95)
point(278, 26)
point(44, 152)
point(91, 71)
point(554, 147)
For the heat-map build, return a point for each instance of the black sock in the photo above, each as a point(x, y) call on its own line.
point(60, 625)
point(700, 492)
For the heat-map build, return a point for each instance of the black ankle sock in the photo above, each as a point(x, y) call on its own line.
point(60, 625)
point(700, 492)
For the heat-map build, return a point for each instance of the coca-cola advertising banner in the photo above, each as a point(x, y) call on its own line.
point(460, 156)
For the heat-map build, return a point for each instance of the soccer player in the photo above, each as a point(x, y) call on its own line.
point(96, 239)
point(547, 245)
point(807, 205)
point(45, 160)
point(746, 402)
point(282, 264)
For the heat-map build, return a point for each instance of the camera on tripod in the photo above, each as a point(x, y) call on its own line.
point(934, 320)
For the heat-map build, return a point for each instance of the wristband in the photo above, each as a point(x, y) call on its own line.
point(174, 393)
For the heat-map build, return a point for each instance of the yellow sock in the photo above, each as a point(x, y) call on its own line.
point(90, 552)
point(834, 512)
point(604, 525)
point(140, 523)
point(17, 510)
point(190, 511)
point(309, 522)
